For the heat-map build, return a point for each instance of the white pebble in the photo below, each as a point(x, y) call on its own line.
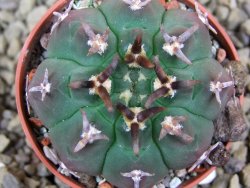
point(175, 182)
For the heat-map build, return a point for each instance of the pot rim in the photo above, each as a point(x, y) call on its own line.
point(222, 37)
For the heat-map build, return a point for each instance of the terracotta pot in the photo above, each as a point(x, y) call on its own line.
point(25, 56)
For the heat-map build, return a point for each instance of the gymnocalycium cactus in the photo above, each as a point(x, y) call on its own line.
point(129, 90)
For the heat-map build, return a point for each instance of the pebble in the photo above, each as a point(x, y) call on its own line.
point(6, 159)
point(234, 166)
point(203, 2)
point(14, 31)
point(221, 55)
point(35, 15)
point(8, 76)
point(49, 3)
point(6, 16)
point(236, 17)
point(3, 44)
point(222, 13)
point(234, 182)
point(246, 7)
point(7, 114)
point(181, 173)
point(245, 175)
point(42, 171)
point(14, 123)
point(243, 37)
point(236, 41)
point(9, 180)
point(2, 87)
point(30, 169)
point(31, 183)
point(239, 151)
point(4, 142)
point(8, 5)
point(245, 26)
point(175, 182)
point(7, 64)
point(14, 48)
point(25, 6)
point(244, 55)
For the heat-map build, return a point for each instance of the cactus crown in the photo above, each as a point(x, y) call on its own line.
point(129, 90)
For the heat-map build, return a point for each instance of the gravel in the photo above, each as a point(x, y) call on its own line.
point(19, 166)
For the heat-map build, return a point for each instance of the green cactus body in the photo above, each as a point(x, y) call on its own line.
point(112, 156)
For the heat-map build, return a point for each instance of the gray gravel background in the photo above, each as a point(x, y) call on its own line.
point(19, 167)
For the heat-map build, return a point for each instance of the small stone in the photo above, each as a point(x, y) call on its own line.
point(7, 114)
point(222, 13)
point(239, 151)
point(31, 183)
point(49, 3)
point(236, 41)
point(25, 6)
point(204, 2)
point(246, 7)
point(234, 166)
point(9, 180)
point(6, 159)
point(4, 142)
point(45, 40)
point(6, 16)
point(7, 76)
point(221, 181)
point(160, 185)
point(175, 182)
point(181, 173)
point(245, 176)
point(30, 169)
point(42, 170)
point(7, 64)
point(244, 55)
point(50, 186)
point(243, 37)
point(230, 3)
point(15, 31)
point(236, 17)
point(8, 5)
point(21, 157)
point(166, 181)
point(14, 123)
point(35, 15)
point(234, 182)
point(14, 48)
point(246, 27)
point(221, 55)
point(2, 87)
point(3, 172)
point(3, 44)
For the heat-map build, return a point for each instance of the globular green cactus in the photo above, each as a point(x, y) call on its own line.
point(129, 90)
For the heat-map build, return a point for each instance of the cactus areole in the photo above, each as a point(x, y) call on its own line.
point(129, 90)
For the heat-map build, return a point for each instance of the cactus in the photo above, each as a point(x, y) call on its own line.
point(128, 90)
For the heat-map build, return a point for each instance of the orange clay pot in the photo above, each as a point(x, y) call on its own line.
point(25, 57)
